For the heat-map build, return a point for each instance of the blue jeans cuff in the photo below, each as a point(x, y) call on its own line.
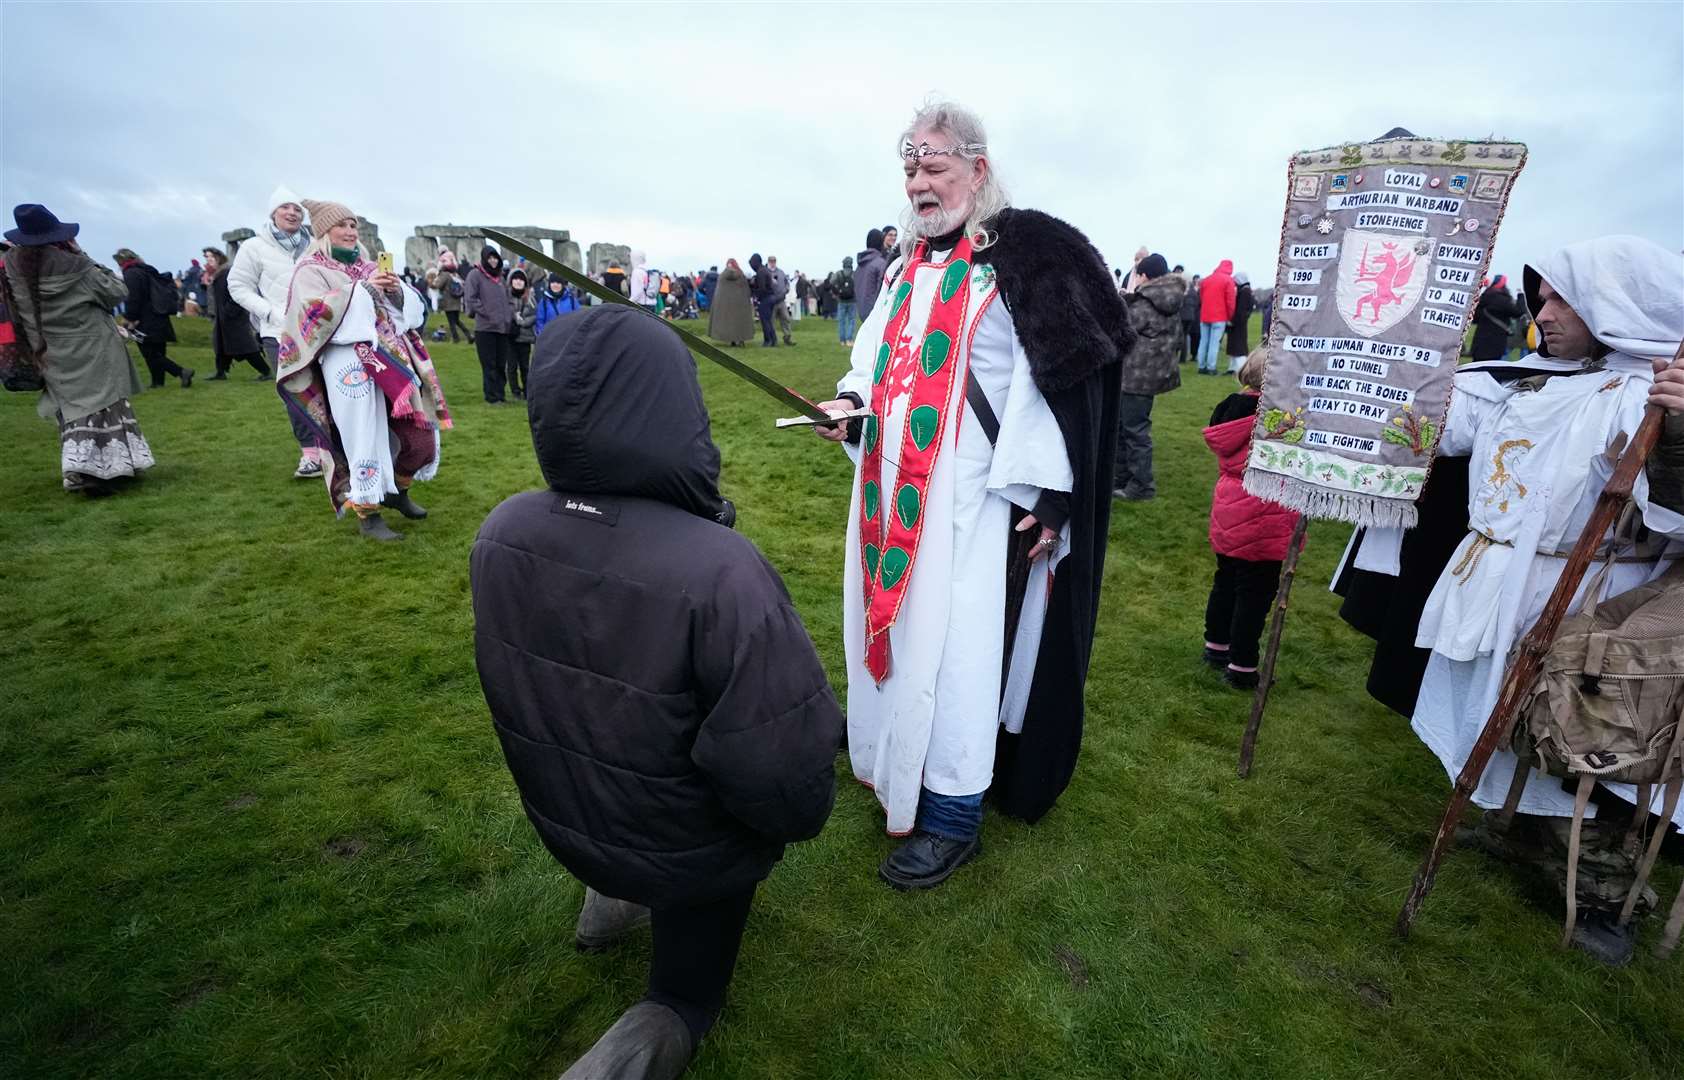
point(956, 817)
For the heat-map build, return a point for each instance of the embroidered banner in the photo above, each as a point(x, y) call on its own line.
point(1382, 251)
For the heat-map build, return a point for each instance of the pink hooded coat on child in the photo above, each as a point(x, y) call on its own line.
point(1242, 525)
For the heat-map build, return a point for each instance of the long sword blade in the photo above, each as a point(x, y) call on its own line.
point(743, 371)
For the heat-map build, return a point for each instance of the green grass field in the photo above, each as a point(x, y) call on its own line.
point(254, 821)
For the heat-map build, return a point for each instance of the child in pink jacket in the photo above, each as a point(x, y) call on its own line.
point(1248, 534)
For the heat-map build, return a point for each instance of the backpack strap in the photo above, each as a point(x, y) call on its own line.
point(1668, 805)
point(1674, 926)
point(1634, 835)
point(1581, 799)
point(1674, 777)
point(1517, 787)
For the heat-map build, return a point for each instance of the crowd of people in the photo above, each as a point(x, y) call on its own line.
point(659, 703)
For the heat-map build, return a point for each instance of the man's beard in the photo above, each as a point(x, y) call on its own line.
point(940, 223)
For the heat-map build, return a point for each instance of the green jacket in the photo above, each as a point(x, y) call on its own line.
point(87, 367)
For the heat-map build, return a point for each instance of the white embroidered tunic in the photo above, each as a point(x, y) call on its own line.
point(1538, 464)
point(933, 720)
point(358, 406)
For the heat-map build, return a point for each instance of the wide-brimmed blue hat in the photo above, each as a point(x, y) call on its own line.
point(37, 225)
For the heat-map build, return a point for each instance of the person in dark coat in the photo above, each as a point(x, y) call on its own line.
point(233, 336)
point(1189, 323)
point(730, 308)
point(1493, 319)
point(763, 292)
point(1155, 314)
point(142, 313)
point(485, 297)
point(1239, 341)
point(658, 700)
point(868, 274)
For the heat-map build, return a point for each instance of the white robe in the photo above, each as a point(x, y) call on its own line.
point(357, 405)
point(933, 720)
point(1539, 461)
point(1536, 499)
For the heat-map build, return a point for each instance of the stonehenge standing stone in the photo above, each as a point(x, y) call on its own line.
point(419, 252)
point(233, 238)
point(369, 235)
point(599, 256)
point(567, 253)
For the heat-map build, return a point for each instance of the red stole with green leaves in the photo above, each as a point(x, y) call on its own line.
point(890, 529)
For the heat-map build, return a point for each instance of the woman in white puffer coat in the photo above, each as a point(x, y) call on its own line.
point(258, 282)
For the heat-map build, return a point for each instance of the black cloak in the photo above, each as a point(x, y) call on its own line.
point(1075, 329)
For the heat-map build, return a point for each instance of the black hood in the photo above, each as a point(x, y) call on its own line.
point(874, 239)
point(616, 409)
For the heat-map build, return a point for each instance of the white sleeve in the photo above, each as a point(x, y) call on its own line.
point(1467, 410)
point(358, 324)
point(243, 278)
point(414, 311)
point(1029, 456)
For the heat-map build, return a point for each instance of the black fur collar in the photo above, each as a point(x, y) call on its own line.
point(1064, 305)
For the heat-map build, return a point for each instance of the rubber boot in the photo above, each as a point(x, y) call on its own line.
point(648, 1042)
point(408, 507)
point(376, 529)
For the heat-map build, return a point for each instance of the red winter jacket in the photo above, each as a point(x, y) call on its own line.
point(1216, 294)
point(1241, 524)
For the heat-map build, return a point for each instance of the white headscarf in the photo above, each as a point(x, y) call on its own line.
point(1629, 291)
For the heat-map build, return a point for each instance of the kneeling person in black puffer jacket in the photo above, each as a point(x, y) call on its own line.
point(657, 697)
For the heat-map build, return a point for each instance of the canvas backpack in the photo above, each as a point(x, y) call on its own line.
point(845, 286)
point(1608, 705)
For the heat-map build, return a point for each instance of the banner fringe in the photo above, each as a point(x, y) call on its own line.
point(1314, 501)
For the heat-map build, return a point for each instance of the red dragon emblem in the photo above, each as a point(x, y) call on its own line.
point(1388, 274)
point(1381, 278)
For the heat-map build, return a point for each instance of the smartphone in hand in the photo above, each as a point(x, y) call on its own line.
point(384, 261)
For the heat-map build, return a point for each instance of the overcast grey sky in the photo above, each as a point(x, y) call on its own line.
point(702, 131)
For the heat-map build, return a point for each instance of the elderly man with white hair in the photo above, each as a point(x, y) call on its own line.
point(1611, 314)
point(976, 530)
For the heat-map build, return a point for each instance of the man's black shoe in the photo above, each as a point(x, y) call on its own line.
point(1599, 934)
point(1216, 659)
point(926, 860)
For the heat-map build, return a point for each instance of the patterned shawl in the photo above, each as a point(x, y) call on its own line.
point(397, 360)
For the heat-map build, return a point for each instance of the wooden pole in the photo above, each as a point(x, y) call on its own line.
point(1266, 671)
point(1529, 657)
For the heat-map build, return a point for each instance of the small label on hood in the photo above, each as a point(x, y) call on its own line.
point(587, 508)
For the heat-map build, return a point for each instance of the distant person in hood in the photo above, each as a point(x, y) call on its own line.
point(658, 700)
point(1216, 309)
point(868, 273)
point(730, 307)
point(1154, 306)
point(1493, 319)
point(1239, 331)
point(486, 300)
